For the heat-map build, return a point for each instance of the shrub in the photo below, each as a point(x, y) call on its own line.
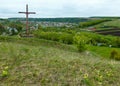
point(115, 55)
point(81, 46)
point(66, 38)
point(80, 42)
point(117, 42)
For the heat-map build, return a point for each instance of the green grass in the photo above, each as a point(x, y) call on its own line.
point(102, 51)
point(115, 23)
point(33, 62)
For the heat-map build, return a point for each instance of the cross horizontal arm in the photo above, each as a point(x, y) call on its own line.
point(31, 13)
point(27, 12)
point(22, 12)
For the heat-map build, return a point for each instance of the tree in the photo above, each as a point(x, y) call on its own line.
point(16, 25)
point(2, 29)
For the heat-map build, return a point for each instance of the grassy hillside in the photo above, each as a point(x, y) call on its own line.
point(103, 52)
point(109, 24)
point(33, 62)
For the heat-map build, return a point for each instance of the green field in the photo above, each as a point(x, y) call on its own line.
point(104, 52)
point(36, 62)
point(110, 24)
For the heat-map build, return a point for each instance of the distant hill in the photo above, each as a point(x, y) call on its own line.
point(106, 17)
point(68, 20)
point(65, 19)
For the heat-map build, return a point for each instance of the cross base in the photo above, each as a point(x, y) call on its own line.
point(26, 35)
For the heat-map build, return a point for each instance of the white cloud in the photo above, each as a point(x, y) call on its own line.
point(60, 8)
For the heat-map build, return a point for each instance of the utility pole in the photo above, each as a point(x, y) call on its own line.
point(27, 23)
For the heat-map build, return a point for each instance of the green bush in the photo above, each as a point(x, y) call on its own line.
point(115, 55)
point(117, 42)
point(81, 46)
point(66, 38)
point(80, 42)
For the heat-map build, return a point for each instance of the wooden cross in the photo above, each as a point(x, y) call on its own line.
point(27, 13)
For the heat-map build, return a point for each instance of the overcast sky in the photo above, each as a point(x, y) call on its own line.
point(60, 8)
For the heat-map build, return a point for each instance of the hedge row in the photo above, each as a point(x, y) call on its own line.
point(55, 36)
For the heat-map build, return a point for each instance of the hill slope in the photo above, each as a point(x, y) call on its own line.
point(29, 62)
point(109, 24)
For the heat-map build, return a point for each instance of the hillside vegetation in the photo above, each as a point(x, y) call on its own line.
point(35, 62)
point(59, 56)
point(109, 24)
point(92, 22)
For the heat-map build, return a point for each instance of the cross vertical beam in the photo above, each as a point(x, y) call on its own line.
point(27, 23)
point(27, 20)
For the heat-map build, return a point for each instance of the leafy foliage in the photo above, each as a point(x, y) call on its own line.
point(66, 38)
point(80, 41)
point(17, 25)
point(95, 39)
point(2, 29)
point(63, 37)
point(115, 55)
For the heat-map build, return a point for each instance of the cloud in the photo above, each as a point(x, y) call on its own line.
point(60, 8)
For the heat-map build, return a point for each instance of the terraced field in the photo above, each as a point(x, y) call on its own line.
point(114, 32)
point(109, 28)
